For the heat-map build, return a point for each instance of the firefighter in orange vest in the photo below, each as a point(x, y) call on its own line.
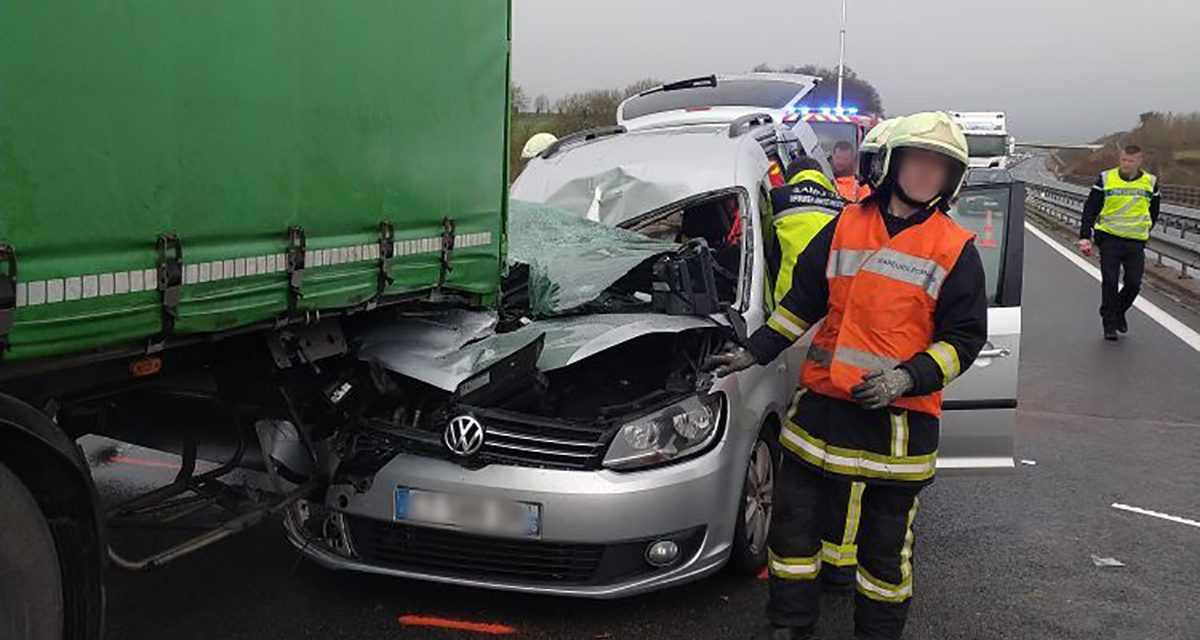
point(900, 287)
point(844, 162)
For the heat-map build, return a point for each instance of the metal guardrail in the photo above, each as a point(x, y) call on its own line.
point(1175, 237)
point(1182, 195)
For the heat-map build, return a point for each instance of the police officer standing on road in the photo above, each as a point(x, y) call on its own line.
point(1122, 208)
point(900, 287)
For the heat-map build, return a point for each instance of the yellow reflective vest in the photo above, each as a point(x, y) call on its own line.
point(802, 209)
point(1126, 212)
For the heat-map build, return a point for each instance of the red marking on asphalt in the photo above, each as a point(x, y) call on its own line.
point(487, 628)
point(140, 462)
point(764, 574)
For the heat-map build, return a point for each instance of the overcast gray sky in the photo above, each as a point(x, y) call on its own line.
point(1065, 70)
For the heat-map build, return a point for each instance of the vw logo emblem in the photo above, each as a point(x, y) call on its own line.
point(464, 436)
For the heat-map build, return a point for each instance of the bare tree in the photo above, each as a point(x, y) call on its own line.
point(541, 104)
point(644, 84)
point(520, 100)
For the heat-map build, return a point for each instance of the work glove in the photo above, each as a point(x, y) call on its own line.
point(732, 360)
point(880, 389)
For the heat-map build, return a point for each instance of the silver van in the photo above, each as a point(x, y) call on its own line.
point(573, 446)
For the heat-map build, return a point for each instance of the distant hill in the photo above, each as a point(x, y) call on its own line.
point(1171, 142)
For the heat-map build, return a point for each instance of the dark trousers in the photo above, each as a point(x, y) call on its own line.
point(1117, 254)
point(839, 546)
point(885, 547)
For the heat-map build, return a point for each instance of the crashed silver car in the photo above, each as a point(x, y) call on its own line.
point(570, 443)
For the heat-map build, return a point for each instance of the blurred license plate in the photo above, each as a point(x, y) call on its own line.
point(478, 514)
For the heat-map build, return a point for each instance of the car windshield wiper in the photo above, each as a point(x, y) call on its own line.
point(690, 83)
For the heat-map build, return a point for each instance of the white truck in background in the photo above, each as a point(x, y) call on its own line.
point(991, 147)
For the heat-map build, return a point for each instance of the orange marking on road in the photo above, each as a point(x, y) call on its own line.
point(487, 628)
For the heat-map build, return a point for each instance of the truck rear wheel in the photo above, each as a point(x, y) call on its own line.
point(31, 595)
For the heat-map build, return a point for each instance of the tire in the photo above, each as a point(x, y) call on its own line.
point(749, 553)
point(31, 593)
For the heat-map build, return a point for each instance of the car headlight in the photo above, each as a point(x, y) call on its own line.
point(673, 433)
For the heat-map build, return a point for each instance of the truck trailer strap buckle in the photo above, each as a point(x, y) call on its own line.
point(447, 249)
point(387, 251)
point(170, 286)
point(170, 274)
point(8, 293)
point(297, 244)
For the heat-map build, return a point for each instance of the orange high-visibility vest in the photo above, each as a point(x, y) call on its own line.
point(882, 295)
point(851, 189)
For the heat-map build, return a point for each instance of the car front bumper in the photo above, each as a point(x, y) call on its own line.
point(585, 515)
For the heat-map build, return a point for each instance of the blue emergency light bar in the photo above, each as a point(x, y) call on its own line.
point(828, 111)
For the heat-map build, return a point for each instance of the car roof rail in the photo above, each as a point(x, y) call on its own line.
point(744, 124)
point(583, 136)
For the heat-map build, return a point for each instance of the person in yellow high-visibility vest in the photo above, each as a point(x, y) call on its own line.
point(801, 208)
point(1117, 218)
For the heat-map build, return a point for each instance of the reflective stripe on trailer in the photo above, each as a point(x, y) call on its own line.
point(99, 285)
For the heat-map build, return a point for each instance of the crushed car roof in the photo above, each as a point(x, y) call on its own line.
point(616, 178)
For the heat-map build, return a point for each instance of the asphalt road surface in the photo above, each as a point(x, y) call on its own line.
point(997, 557)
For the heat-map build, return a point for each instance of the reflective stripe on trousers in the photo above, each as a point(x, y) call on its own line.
point(841, 550)
point(852, 462)
point(883, 591)
point(793, 568)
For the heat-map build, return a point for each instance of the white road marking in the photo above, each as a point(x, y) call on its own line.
point(1189, 336)
point(1155, 514)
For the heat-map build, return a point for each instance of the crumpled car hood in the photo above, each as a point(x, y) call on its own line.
point(444, 349)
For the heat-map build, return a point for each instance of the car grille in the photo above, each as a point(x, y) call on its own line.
point(467, 555)
point(531, 441)
point(450, 553)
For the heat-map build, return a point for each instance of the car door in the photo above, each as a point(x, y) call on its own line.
point(979, 416)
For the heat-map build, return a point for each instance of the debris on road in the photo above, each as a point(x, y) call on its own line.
point(1106, 562)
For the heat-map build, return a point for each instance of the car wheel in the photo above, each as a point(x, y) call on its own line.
point(749, 553)
point(31, 596)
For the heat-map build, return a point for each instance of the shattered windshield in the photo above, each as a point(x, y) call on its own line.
point(571, 260)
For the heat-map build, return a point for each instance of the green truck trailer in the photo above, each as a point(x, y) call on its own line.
point(195, 200)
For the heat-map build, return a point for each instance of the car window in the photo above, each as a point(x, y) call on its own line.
point(830, 133)
point(767, 94)
point(718, 219)
point(981, 146)
point(984, 210)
